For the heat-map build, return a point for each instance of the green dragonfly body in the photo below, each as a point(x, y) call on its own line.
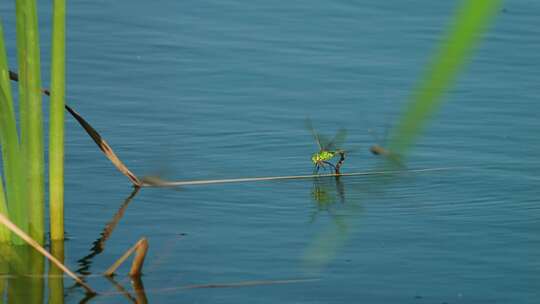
point(322, 156)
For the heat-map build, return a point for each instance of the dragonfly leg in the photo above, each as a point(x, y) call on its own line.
point(322, 165)
point(331, 165)
point(316, 169)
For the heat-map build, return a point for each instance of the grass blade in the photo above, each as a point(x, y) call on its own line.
point(19, 210)
point(56, 124)
point(9, 142)
point(35, 157)
point(464, 34)
point(32, 145)
point(4, 233)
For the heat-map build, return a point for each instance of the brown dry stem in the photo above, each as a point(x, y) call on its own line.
point(140, 249)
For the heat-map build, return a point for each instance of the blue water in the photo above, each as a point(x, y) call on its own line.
point(220, 89)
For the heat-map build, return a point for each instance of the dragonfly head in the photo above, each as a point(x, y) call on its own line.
point(315, 158)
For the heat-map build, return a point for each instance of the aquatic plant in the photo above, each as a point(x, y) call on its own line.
point(23, 155)
point(9, 142)
point(32, 157)
point(56, 121)
point(452, 55)
point(11, 200)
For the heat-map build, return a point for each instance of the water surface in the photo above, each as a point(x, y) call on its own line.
point(220, 89)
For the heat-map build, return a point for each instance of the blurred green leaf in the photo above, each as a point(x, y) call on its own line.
point(463, 35)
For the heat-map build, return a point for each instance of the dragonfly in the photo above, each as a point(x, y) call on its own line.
point(328, 149)
point(377, 149)
point(380, 150)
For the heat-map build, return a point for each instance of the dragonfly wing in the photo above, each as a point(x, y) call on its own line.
point(350, 150)
point(309, 126)
point(324, 141)
point(337, 141)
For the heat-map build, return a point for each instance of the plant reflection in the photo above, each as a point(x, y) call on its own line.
point(23, 275)
point(99, 244)
point(22, 279)
point(56, 276)
point(138, 289)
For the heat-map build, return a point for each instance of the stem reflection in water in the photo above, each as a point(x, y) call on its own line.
point(99, 244)
point(56, 275)
point(22, 279)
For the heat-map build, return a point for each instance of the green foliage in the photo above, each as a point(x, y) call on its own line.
point(464, 34)
point(9, 142)
point(4, 233)
point(23, 154)
point(56, 124)
point(32, 141)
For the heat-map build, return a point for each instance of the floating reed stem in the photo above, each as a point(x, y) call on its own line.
point(56, 123)
point(140, 249)
point(164, 183)
point(6, 222)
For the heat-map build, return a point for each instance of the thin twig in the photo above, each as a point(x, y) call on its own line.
point(165, 183)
